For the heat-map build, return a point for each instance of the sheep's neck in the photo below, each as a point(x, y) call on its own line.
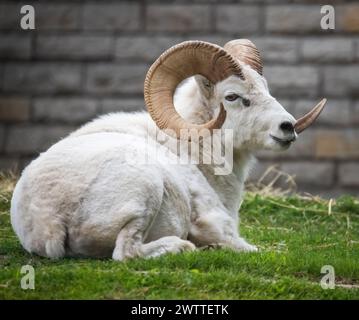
point(230, 187)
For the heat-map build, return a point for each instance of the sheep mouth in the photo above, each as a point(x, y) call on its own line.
point(283, 142)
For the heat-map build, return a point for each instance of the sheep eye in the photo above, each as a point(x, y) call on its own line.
point(246, 102)
point(232, 97)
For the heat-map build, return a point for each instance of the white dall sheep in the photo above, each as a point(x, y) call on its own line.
point(84, 197)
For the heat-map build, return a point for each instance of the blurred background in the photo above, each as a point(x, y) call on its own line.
point(87, 58)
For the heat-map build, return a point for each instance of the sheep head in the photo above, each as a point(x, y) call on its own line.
point(232, 83)
point(246, 52)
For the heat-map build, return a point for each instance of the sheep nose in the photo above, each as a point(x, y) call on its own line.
point(287, 127)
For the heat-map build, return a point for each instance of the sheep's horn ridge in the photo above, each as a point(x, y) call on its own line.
point(246, 52)
point(305, 121)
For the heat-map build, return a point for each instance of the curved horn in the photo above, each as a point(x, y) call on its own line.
point(305, 121)
point(176, 64)
point(244, 50)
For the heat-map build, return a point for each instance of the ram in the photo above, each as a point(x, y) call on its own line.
point(85, 196)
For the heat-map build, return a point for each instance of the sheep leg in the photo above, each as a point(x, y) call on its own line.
point(129, 243)
point(217, 229)
point(238, 244)
point(241, 245)
point(169, 244)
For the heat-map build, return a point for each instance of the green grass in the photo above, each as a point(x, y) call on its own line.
point(296, 237)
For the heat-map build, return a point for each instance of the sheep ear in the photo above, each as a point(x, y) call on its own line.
point(205, 86)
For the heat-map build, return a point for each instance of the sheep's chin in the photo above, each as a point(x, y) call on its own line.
point(276, 146)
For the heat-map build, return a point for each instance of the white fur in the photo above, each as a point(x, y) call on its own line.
point(83, 198)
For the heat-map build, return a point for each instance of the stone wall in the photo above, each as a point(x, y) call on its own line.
point(87, 58)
